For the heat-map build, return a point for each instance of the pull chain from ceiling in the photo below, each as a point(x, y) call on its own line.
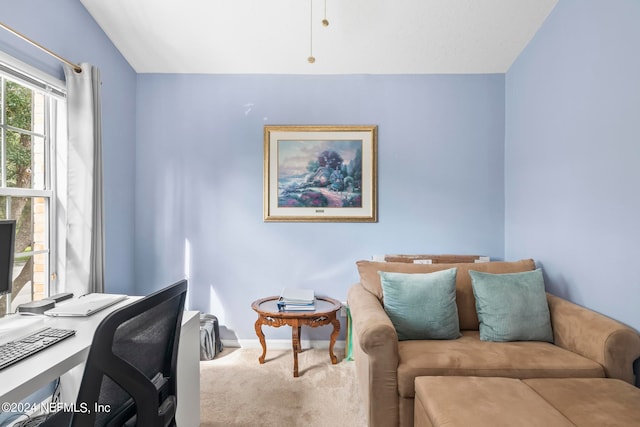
point(311, 59)
point(325, 23)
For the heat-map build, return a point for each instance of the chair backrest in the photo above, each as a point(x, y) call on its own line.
point(130, 375)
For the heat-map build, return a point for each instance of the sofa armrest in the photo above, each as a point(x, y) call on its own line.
point(375, 331)
point(595, 336)
point(375, 348)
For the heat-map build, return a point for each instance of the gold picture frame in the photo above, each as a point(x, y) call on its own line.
point(320, 173)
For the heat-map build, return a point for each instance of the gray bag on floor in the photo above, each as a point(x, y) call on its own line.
point(210, 343)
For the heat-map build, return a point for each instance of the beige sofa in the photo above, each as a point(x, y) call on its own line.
point(586, 344)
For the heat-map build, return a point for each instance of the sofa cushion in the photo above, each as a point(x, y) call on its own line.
point(465, 301)
point(422, 306)
point(512, 306)
point(468, 356)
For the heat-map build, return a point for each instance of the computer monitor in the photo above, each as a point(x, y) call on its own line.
point(7, 243)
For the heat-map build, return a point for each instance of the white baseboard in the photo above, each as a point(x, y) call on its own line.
point(282, 344)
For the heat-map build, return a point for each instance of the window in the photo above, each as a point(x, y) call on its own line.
point(32, 117)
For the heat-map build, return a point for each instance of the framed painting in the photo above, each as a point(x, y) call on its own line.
point(320, 173)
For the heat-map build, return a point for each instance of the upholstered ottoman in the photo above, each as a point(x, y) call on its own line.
point(549, 402)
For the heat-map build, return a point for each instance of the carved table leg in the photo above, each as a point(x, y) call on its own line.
point(260, 335)
point(295, 338)
point(334, 335)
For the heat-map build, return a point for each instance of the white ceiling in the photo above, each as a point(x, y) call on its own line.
point(364, 36)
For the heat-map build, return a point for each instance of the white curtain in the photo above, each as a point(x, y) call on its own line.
point(85, 229)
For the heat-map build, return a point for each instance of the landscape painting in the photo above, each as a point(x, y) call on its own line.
point(320, 173)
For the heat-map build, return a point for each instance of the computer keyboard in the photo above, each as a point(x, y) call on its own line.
point(21, 348)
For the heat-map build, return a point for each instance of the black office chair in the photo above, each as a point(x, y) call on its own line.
point(130, 375)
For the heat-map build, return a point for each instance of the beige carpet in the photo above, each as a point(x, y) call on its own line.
point(236, 391)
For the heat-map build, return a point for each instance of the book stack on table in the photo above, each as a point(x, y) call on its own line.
point(297, 300)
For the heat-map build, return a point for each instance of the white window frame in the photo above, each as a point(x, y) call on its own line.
point(55, 159)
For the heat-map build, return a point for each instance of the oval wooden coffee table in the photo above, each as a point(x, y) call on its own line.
point(324, 314)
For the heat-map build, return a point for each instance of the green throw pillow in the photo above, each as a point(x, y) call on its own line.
point(422, 306)
point(512, 307)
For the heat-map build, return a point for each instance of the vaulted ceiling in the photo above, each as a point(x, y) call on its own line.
point(363, 36)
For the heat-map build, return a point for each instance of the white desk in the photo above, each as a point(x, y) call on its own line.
point(29, 375)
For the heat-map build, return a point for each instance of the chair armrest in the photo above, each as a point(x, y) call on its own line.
point(595, 336)
point(375, 350)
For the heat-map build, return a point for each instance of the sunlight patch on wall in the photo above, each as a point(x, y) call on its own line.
point(216, 306)
point(187, 271)
point(187, 259)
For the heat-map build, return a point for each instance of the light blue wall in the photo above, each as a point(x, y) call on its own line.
point(199, 177)
point(65, 27)
point(570, 183)
point(573, 155)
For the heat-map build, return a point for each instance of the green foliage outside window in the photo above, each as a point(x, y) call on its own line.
point(18, 163)
point(18, 150)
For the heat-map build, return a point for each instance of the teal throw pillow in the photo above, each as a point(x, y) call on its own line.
point(422, 306)
point(512, 307)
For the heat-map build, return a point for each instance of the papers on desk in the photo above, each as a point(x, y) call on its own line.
point(296, 300)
